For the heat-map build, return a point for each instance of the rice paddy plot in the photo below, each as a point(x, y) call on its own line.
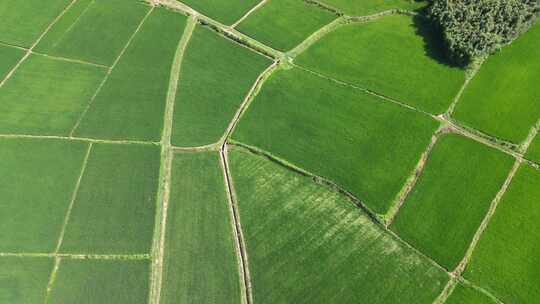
point(216, 75)
point(115, 206)
point(468, 295)
point(94, 30)
point(506, 261)
point(283, 24)
point(533, 153)
point(22, 22)
point(308, 244)
point(224, 11)
point(131, 104)
point(451, 198)
point(24, 280)
point(46, 96)
point(503, 98)
point(364, 144)
point(369, 7)
point(9, 56)
point(37, 180)
point(396, 56)
point(101, 281)
point(200, 263)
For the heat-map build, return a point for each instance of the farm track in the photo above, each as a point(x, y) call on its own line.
point(447, 125)
point(158, 247)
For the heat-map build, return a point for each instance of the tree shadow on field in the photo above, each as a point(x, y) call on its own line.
point(434, 44)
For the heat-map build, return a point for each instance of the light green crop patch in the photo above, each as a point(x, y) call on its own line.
point(46, 96)
point(101, 281)
point(369, 7)
point(217, 74)
point(94, 30)
point(224, 11)
point(200, 263)
point(131, 104)
point(37, 180)
point(445, 208)
point(9, 56)
point(115, 206)
point(24, 280)
point(503, 99)
point(22, 22)
point(505, 261)
point(283, 24)
point(468, 295)
point(308, 244)
point(364, 144)
point(397, 56)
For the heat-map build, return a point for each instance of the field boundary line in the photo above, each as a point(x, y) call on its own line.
point(491, 211)
point(158, 244)
point(524, 146)
point(446, 292)
point(73, 199)
point(29, 51)
point(227, 31)
point(248, 13)
point(469, 76)
point(469, 284)
point(250, 96)
point(109, 72)
point(412, 180)
point(52, 278)
point(210, 147)
point(494, 204)
point(78, 256)
point(316, 36)
point(90, 140)
point(325, 6)
point(240, 243)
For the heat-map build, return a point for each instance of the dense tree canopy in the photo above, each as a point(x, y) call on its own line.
point(474, 28)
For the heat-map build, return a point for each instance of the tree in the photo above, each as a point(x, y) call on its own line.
point(476, 28)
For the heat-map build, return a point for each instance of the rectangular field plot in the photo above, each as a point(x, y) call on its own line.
point(534, 150)
point(368, 7)
point(283, 24)
point(101, 281)
point(24, 280)
point(37, 181)
point(216, 76)
point(200, 263)
point(468, 295)
point(115, 206)
point(389, 56)
point(502, 99)
point(224, 11)
point(9, 57)
point(131, 103)
point(94, 30)
point(364, 144)
point(442, 213)
point(22, 22)
point(46, 96)
point(506, 260)
point(308, 244)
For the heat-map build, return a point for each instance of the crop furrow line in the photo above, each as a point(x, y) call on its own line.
point(29, 51)
point(52, 278)
point(109, 71)
point(78, 256)
point(251, 11)
point(325, 6)
point(167, 154)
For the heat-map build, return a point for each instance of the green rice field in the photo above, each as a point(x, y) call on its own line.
point(262, 152)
